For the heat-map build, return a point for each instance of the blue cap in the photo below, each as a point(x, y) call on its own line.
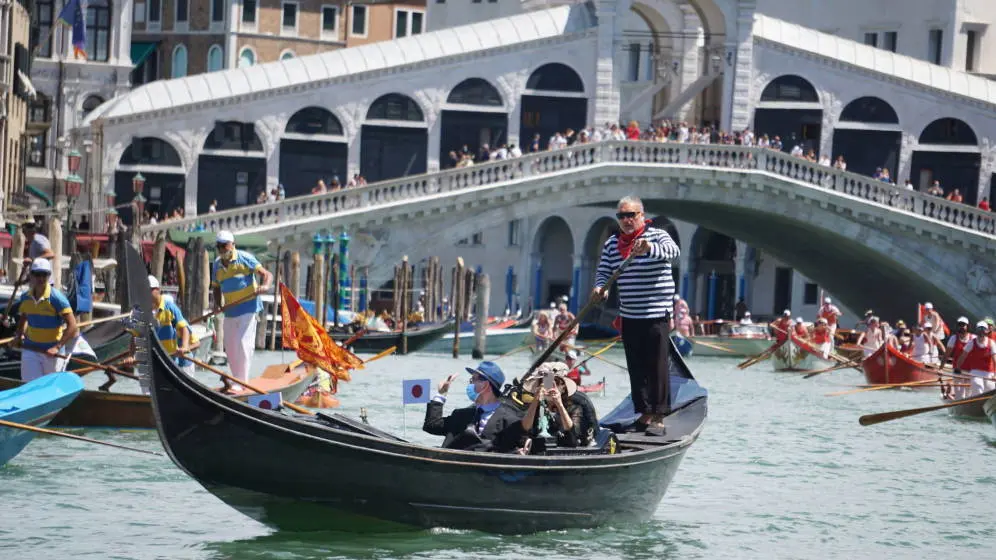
point(490, 371)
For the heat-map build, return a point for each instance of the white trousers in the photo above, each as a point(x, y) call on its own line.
point(240, 343)
point(36, 364)
point(825, 348)
point(982, 381)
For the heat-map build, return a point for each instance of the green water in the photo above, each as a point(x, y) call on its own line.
point(781, 471)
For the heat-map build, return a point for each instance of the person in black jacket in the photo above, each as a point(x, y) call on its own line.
point(488, 425)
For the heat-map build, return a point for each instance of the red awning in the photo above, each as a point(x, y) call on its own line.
point(6, 241)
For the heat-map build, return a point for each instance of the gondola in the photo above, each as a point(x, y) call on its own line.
point(374, 342)
point(989, 407)
point(731, 340)
point(34, 403)
point(968, 411)
point(328, 471)
point(799, 355)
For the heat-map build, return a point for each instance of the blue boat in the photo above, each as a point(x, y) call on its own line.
point(36, 404)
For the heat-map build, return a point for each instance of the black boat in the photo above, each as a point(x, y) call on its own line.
point(375, 342)
point(332, 472)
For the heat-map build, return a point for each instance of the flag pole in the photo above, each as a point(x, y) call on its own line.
point(404, 421)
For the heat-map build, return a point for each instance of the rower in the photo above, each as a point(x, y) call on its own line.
point(234, 277)
point(934, 318)
point(831, 313)
point(888, 337)
point(955, 348)
point(822, 337)
point(746, 320)
point(871, 339)
point(926, 345)
point(561, 322)
point(979, 358)
point(37, 245)
point(799, 329)
point(781, 326)
point(542, 331)
point(47, 323)
point(173, 328)
point(576, 370)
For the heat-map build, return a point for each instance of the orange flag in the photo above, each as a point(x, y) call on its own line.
point(303, 333)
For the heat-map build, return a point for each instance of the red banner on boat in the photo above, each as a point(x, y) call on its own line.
point(302, 332)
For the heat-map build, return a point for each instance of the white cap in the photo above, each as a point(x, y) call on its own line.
point(982, 324)
point(787, 313)
point(928, 305)
point(821, 320)
point(927, 325)
point(826, 300)
point(747, 314)
point(965, 320)
point(224, 236)
point(799, 320)
point(572, 354)
point(153, 282)
point(41, 265)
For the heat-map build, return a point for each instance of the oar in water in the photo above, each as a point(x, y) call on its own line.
point(592, 302)
point(46, 431)
point(760, 357)
point(834, 367)
point(245, 384)
point(869, 419)
point(712, 345)
point(883, 386)
point(387, 352)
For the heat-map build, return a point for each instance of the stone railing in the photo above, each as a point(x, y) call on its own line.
point(739, 158)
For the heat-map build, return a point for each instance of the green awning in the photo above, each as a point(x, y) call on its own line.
point(38, 193)
point(140, 50)
point(248, 241)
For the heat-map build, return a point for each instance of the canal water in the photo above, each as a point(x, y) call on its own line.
point(781, 471)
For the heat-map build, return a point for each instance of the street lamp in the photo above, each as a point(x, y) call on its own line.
point(74, 158)
point(137, 187)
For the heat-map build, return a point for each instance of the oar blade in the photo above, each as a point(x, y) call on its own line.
point(383, 354)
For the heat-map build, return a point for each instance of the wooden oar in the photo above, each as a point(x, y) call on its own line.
point(245, 384)
point(354, 338)
point(835, 367)
point(108, 362)
point(883, 386)
point(711, 345)
point(13, 295)
point(387, 352)
point(597, 355)
point(46, 431)
point(584, 311)
point(95, 365)
point(222, 309)
point(5, 341)
point(760, 357)
point(869, 419)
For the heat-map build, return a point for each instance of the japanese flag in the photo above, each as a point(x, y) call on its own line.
point(415, 391)
point(270, 401)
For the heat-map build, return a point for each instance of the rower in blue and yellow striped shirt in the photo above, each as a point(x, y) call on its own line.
point(47, 323)
point(234, 277)
point(173, 331)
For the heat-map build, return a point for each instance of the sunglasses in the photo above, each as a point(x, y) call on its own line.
point(625, 215)
point(477, 378)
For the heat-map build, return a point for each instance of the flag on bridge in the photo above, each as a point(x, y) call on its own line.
point(303, 333)
point(415, 391)
point(72, 16)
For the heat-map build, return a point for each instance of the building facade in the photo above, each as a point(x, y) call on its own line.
point(15, 92)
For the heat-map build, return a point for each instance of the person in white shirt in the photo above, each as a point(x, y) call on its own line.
point(514, 151)
point(979, 358)
point(926, 345)
point(746, 319)
point(797, 150)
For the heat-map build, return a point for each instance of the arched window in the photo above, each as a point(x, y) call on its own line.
point(215, 59)
point(790, 88)
point(179, 66)
point(949, 131)
point(555, 77)
point(150, 151)
point(395, 107)
point(89, 104)
point(869, 110)
point(247, 57)
point(287, 55)
point(314, 120)
point(234, 135)
point(475, 91)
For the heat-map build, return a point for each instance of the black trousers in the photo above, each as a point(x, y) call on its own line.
point(648, 354)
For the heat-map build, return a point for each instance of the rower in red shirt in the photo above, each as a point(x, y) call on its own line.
point(979, 359)
point(831, 313)
point(799, 329)
point(822, 337)
point(781, 326)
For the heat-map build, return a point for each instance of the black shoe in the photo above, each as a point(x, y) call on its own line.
point(635, 428)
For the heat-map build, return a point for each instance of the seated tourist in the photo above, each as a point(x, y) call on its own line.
point(570, 415)
point(486, 425)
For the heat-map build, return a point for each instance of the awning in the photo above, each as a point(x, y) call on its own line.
point(140, 50)
point(6, 241)
point(38, 193)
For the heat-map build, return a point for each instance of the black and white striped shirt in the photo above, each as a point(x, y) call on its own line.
point(646, 287)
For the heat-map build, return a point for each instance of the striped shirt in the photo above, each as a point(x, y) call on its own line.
point(646, 287)
point(170, 321)
point(46, 318)
point(237, 280)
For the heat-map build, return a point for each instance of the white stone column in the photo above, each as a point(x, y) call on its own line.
point(435, 138)
point(726, 108)
point(740, 263)
point(909, 142)
point(190, 189)
point(353, 152)
point(120, 49)
point(691, 66)
point(606, 106)
point(743, 67)
point(831, 113)
point(273, 167)
point(986, 168)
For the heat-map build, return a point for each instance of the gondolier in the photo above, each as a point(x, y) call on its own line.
point(979, 359)
point(173, 330)
point(47, 323)
point(234, 277)
point(646, 296)
point(832, 314)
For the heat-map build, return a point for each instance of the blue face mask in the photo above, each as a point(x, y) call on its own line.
point(472, 393)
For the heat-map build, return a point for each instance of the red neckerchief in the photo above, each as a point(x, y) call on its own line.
point(626, 240)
